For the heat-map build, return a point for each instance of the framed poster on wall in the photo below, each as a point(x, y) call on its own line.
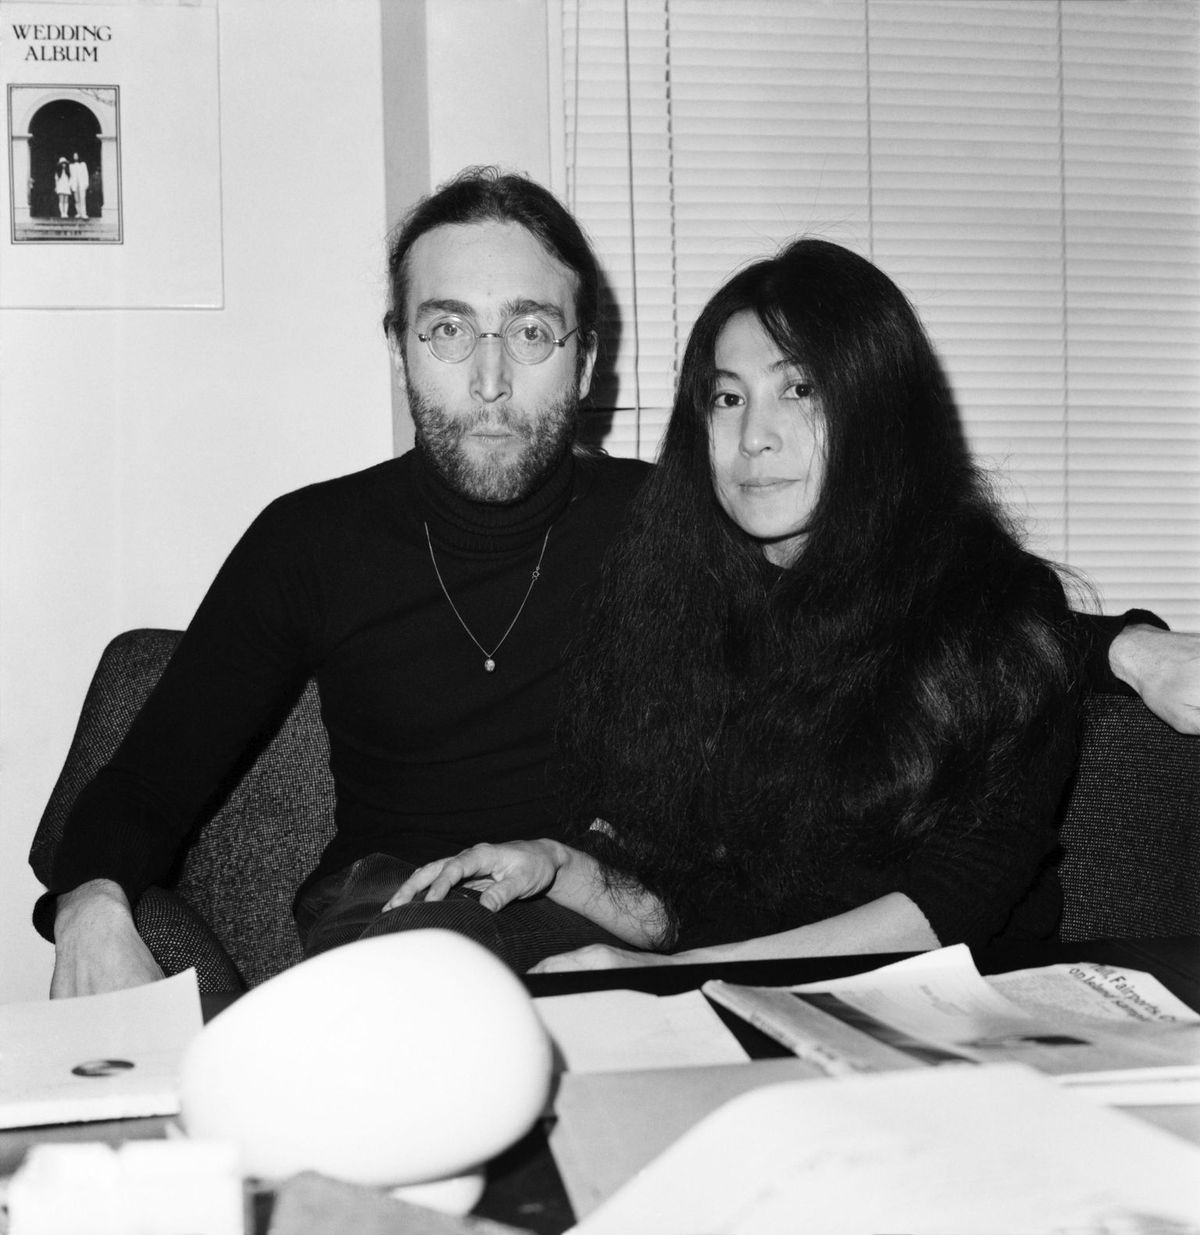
point(111, 156)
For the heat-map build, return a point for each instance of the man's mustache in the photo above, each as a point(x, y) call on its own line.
point(502, 417)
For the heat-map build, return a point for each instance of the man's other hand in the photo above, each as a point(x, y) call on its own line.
point(1164, 668)
point(96, 945)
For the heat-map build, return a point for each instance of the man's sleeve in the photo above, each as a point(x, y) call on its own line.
point(1095, 633)
point(246, 649)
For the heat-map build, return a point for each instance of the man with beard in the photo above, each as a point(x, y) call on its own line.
point(432, 597)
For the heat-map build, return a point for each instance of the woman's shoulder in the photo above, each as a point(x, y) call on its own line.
point(995, 580)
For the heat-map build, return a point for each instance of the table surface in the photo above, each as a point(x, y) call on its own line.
point(524, 1189)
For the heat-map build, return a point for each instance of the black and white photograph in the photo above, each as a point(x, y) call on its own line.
point(600, 612)
point(65, 164)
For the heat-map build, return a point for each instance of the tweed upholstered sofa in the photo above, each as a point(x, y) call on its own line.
point(227, 907)
point(1130, 828)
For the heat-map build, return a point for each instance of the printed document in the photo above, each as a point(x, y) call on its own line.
point(1081, 1023)
point(602, 1031)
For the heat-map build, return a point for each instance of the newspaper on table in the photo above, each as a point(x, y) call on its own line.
point(1115, 1033)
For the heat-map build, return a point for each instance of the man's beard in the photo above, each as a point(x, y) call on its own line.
point(545, 437)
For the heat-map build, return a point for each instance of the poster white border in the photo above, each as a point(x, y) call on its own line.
point(136, 86)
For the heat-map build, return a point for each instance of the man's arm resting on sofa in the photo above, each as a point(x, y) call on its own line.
point(1164, 668)
point(96, 946)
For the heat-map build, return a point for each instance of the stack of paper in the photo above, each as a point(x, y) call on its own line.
point(641, 1131)
point(610, 1125)
point(951, 1151)
point(113, 1056)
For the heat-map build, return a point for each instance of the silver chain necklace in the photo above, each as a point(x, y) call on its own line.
point(489, 658)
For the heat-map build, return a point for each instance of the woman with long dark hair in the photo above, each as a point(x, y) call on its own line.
point(825, 702)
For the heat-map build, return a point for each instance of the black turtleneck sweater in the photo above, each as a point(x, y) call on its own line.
point(429, 752)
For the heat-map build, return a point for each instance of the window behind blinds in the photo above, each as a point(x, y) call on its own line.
point(966, 205)
point(1131, 159)
point(1027, 172)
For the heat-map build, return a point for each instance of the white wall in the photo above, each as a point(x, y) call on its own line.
point(488, 86)
point(120, 495)
point(487, 102)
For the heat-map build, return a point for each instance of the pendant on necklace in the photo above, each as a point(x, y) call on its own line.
point(489, 662)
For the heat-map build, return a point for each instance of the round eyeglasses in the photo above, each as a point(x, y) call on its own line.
point(528, 339)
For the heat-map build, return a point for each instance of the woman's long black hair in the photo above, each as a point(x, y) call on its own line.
point(752, 734)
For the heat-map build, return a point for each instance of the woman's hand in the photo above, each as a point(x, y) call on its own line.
point(500, 873)
point(600, 956)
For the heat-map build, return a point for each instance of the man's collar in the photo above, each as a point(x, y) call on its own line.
point(458, 523)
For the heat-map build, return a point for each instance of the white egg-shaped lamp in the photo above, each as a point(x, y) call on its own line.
point(406, 1059)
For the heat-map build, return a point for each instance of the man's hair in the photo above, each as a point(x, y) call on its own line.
point(484, 194)
point(753, 735)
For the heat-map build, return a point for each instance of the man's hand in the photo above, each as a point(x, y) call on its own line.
point(500, 873)
point(96, 945)
point(1164, 668)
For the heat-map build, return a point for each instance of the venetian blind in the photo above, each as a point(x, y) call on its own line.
point(1131, 154)
point(1026, 171)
